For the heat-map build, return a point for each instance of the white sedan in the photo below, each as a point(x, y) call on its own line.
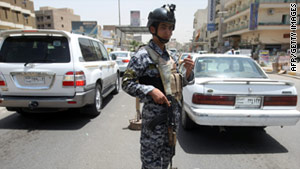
point(122, 58)
point(233, 90)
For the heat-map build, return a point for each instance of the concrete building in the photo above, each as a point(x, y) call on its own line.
point(200, 34)
point(209, 40)
point(268, 28)
point(215, 38)
point(173, 44)
point(16, 14)
point(53, 18)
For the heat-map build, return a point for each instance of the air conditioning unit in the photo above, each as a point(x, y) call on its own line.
point(270, 11)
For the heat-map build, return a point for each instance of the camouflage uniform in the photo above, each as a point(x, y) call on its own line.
point(155, 152)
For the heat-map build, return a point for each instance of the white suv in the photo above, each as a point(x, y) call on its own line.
point(54, 70)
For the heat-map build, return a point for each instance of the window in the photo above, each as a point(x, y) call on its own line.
point(231, 67)
point(41, 49)
point(104, 52)
point(17, 16)
point(87, 50)
point(62, 25)
point(5, 13)
point(285, 19)
point(48, 17)
point(49, 25)
point(62, 18)
point(26, 16)
point(97, 50)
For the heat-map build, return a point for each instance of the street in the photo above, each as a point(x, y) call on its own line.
point(66, 140)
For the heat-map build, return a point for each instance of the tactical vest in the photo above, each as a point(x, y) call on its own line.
point(171, 80)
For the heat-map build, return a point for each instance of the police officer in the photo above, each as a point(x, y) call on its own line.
point(142, 79)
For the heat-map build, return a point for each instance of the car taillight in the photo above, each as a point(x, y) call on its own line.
point(74, 79)
point(213, 100)
point(125, 60)
point(2, 83)
point(2, 80)
point(80, 78)
point(280, 101)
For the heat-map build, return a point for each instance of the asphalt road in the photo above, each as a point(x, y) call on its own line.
point(68, 140)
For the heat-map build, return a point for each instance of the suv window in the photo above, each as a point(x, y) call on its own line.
point(38, 49)
point(88, 50)
point(97, 50)
point(104, 52)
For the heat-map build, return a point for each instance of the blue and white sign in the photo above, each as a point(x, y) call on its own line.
point(211, 15)
point(253, 16)
point(211, 11)
point(211, 27)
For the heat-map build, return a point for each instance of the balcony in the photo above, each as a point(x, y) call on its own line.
point(274, 26)
point(237, 12)
point(275, 3)
point(236, 28)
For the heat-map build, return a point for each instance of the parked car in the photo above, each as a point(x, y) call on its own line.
point(51, 70)
point(122, 58)
point(233, 90)
point(245, 52)
point(202, 52)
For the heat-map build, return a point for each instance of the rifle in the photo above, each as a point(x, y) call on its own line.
point(171, 127)
point(169, 118)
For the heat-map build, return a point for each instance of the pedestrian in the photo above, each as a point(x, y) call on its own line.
point(232, 51)
point(144, 79)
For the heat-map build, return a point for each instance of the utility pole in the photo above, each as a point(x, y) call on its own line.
point(120, 44)
point(119, 13)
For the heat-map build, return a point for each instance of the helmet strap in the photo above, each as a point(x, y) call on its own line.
point(162, 40)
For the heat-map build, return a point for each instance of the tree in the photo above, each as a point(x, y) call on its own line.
point(133, 45)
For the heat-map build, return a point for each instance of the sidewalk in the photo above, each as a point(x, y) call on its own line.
point(269, 69)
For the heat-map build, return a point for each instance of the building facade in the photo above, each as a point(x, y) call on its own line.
point(53, 18)
point(200, 41)
point(259, 24)
point(17, 14)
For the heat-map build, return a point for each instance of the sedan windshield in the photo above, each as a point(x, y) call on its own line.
point(227, 67)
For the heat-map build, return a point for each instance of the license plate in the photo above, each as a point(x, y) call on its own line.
point(34, 80)
point(247, 101)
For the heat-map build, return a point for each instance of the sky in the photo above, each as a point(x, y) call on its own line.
point(105, 12)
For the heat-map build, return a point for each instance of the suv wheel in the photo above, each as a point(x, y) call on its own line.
point(117, 85)
point(94, 109)
point(186, 122)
